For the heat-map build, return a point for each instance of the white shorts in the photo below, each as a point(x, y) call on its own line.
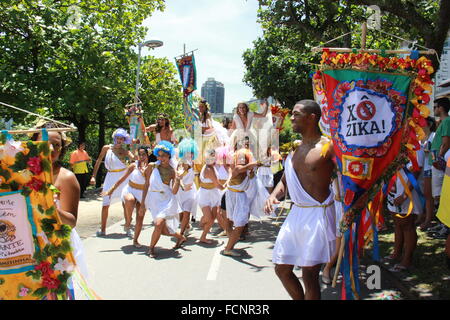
point(437, 179)
point(209, 197)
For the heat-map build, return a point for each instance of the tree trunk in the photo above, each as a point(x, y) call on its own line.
point(101, 143)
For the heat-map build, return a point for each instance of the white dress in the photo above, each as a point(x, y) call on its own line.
point(135, 184)
point(162, 203)
point(245, 199)
point(116, 169)
point(307, 236)
point(208, 197)
point(265, 174)
point(222, 175)
point(187, 200)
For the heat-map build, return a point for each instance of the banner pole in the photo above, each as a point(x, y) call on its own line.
point(363, 35)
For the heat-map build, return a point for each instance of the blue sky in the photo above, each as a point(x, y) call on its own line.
point(221, 30)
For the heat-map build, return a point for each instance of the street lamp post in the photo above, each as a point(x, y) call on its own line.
point(149, 44)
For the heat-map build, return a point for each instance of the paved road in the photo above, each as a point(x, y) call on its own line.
point(117, 270)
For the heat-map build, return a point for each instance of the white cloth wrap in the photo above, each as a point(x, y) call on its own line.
point(265, 175)
point(208, 197)
point(240, 205)
point(308, 235)
point(162, 205)
point(112, 162)
point(187, 200)
point(137, 177)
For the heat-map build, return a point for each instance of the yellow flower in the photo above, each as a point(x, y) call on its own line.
point(23, 176)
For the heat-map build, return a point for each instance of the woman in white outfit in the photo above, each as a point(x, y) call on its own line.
point(132, 192)
point(161, 185)
point(187, 193)
point(243, 126)
point(116, 162)
point(224, 159)
point(209, 194)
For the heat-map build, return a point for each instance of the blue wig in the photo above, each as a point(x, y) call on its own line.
point(165, 146)
point(188, 145)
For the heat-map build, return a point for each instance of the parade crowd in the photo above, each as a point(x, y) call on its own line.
point(230, 175)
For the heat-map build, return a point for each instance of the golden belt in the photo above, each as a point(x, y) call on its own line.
point(206, 185)
point(117, 170)
point(235, 190)
point(136, 185)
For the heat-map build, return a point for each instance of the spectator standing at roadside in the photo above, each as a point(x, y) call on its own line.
point(79, 162)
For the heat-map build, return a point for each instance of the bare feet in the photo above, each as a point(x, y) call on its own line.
point(180, 242)
point(137, 244)
point(207, 241)
point(151, 253)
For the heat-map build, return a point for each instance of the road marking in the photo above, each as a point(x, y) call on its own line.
point(215, 264)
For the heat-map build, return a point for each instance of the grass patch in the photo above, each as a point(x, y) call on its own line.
point(429, 277)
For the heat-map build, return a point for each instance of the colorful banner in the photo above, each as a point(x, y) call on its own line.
point(137, 126)
point(188, 77)
point(373, 108)
point(35, 253)
point(367, 112)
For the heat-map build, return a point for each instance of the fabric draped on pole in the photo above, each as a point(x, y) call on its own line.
point(188, 77)
point(373, 109)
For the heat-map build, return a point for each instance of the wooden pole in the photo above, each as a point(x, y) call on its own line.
point(40, 130)
point(363, 35)
point(431, 51)
point(341, 248)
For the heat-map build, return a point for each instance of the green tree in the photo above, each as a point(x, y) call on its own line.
point(81, 70)
point(279, 63)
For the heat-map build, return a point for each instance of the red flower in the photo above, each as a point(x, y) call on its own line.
point(45, 268)
point(50, 283)
point(35, 165)
point(35, 184)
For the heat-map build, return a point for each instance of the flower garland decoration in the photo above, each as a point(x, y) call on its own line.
point(421, 87)
point(26, 168)
point(278, 115)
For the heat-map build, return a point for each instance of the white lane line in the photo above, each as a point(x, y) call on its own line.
point(215, 264)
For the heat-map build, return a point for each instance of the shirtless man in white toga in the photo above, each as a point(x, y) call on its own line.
point(307, 237)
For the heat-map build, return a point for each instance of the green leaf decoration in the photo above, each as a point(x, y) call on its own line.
point(14, 185)
point(61, 289)
point(63, 232)
point(22, 159)
point(2, 138)
point(33, 149)
point(40, 208)
point(44, 149)
point(50, 211)
point(47, 225)
point(5, 174)
point(54, 189)
point(65, 245)
point(2, 281)
point(26, 191)
point(40, 292)
point(46, 165)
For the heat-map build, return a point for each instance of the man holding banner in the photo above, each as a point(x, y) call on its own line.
point(307, 237)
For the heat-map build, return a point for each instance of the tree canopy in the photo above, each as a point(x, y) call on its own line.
point(76, 61)
point(280, 61)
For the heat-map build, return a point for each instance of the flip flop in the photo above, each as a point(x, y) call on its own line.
point(398, 268)
point(137, 245)
point(326, 280)
point(230, 253)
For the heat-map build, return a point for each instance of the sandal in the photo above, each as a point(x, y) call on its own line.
point(398, 268)
point(137, 244)
point(230, 253)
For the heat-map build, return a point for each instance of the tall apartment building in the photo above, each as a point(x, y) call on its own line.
point(214, 92)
